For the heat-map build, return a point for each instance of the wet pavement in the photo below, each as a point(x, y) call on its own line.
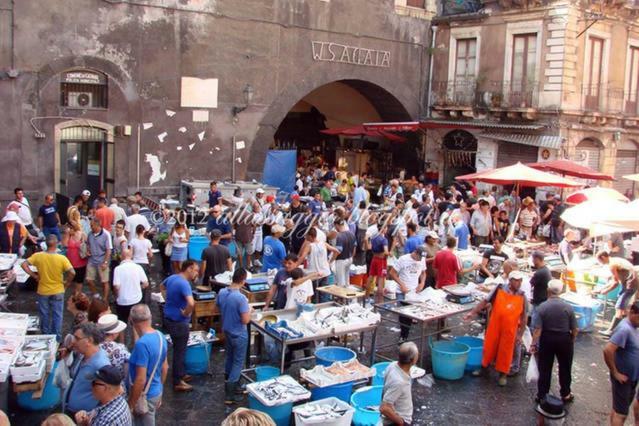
point(470, 401)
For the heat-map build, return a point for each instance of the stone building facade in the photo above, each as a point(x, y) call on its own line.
point(128, 94)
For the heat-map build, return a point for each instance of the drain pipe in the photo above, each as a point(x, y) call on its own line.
point(433, 29)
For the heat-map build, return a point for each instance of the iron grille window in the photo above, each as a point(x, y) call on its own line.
point(84, 89)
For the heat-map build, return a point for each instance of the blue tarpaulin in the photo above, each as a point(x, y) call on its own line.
point(280, 169)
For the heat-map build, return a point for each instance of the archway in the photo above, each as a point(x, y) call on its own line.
point(588, 153)
point(459, 148)
point(345, 103)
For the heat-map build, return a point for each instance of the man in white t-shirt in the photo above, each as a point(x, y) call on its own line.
point(134, 220)
point(409, 272)
point(128, 281)
point(299, 289)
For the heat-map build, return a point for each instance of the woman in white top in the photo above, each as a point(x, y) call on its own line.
point(316, 252)
point(179, 237)
point(142, 250)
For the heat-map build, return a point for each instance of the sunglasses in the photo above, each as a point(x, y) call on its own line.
point(97, 384)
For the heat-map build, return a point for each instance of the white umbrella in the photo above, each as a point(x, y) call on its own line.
point(626, 217)
point(591, 216)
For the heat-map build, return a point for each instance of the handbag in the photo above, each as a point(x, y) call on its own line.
point(168, 249)
point(84, 249)
point(142, 405)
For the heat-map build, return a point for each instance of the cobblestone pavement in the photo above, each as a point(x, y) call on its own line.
point(470, 401)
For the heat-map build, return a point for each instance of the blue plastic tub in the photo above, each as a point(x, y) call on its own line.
point(449, 359)
point(586, 316)
point(327, 355)
point(380, 369)
point(280, 414)
point(476, 346)
point(197, 244)
point(369, 396)
point(50, 396)
point(342, 392)
point(265, 372)
point(613, 295)
point(196, 359)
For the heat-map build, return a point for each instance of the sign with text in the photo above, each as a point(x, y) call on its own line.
point(341, 53)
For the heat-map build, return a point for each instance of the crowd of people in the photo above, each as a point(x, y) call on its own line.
point(405, 232)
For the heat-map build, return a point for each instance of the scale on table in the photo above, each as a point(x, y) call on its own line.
point(203, 293)
point(257, 284)
point(458, 294)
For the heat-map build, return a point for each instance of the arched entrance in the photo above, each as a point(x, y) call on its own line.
point(626, 164)
point(460, 152)
point(588, 153)
point(339, 104)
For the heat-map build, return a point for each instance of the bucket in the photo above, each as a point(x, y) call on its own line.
point(196, 359)
point(369, 396)
point(380, 369)
point(327, 355)
point(341, 391)
point(280, 414)
point(265, 372)
point(50, 396)
point(586, 316)
point(344, 420)
point(476, 346)
point(197, 244)
point(449, 359)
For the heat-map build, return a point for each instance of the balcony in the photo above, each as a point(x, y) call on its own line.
point(482, 94)
point(454, 94)
point(602, 99)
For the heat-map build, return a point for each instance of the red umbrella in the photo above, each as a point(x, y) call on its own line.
point(596, 194)
point(473, 176)
point(362, 131)
point(570, 168)
point(521, 175)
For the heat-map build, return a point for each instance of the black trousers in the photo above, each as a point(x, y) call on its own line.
point(561, 346)
point(179, 332)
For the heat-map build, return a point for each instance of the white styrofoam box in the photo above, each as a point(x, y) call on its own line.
point(10, 320)
point(28, 378)
point(27, 364)
point(344, 420)
point(4, 371)
point(43, 343)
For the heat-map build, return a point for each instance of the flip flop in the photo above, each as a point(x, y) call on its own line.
point(568, 398)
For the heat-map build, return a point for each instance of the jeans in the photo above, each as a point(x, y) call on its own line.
point(405, 322)
point(235, 354)
point(553, 345)
point(320, 298)
point(52, 230)
point(179, 332)
point(148, 419)
point(50, 309)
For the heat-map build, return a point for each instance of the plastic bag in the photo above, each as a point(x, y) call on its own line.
point(532, 374)
point(526, 339)
point(62, 377)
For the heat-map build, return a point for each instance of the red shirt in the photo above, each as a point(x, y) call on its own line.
point(447, 266)
point(106, 217)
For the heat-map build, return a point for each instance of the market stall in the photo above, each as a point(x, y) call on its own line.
point(289, 327)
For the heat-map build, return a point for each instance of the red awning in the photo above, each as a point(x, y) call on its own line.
point(361, 131)
point(407, 126)
point(570, 168)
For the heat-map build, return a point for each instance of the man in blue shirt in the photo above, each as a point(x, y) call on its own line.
point(316, 204)
point(86, 342)
point(462, 233)
point(274, 250)
point(236, 314)
point(277, 291)
point(621, 354)
point(215, 196)
point(221, 223)
point(177, 316)
point(413, 241)
point(48, 218)
point(147, 362)
point(359, 194)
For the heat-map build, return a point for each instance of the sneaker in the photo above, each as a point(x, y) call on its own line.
point(606, 333)
point(503, 380)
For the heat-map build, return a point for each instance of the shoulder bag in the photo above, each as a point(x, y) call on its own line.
point(142, 405)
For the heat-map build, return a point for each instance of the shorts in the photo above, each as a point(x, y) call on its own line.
point(95, 272)
point(624, 299)
point(244, 247)
point(378, 267)
point(622, 395)
point(80, 274)
point(179, 254)
point(256, 244)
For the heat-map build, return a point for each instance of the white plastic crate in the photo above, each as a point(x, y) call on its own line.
point(344, 420)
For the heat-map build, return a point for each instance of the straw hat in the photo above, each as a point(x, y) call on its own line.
point(110, 324)
point(527, 201)
point(11, 215)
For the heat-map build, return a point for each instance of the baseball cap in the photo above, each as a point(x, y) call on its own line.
point(433, 235)
point(107, 374)
point(259, 191)
point(516, 275)
point(295, 197)
point(270, 198)
point(86, 193)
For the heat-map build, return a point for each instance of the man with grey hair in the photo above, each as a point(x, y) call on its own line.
point(554, 332)
point(397, 397)
point(118, 212)
point(135, 219)
point(100, 247)
point(147, 366)
point(54, 275)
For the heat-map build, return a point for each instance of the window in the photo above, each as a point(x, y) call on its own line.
point(592, 87)
point(522, 77)
point(465, 62)
point(83, 89)
point(633, 82)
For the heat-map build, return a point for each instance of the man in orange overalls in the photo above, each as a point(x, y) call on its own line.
point(506, 325)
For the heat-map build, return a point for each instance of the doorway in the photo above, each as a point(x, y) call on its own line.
point(86, 161)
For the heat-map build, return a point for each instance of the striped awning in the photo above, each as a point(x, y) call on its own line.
point(542, 141)
point(476, 124)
